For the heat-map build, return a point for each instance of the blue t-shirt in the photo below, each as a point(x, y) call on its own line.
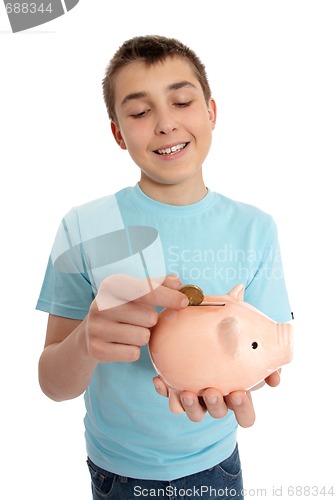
point(216, 244)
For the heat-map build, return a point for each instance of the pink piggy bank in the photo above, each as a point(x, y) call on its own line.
point(223, 343)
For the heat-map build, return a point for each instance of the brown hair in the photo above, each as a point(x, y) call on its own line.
point(150, 50)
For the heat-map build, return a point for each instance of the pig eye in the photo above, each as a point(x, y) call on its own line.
point(254, 345)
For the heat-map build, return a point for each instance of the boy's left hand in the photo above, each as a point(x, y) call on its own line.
point(212, 401)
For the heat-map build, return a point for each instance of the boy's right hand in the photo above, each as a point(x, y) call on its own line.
point(118, 324)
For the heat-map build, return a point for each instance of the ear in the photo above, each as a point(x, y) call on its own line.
point(212, 110)
point(229, 330)
point(237, 292)
point(118, 136)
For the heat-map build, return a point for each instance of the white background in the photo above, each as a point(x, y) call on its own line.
point(271, 65)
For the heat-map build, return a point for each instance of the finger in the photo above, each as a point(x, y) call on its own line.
point(163, 296)
point(160, 387)
point(121, 344)
point(127, 334)
point(114, 353)
point(192, 406)
point(175, 405)
point(132, 313)
point(215, 403)
point(172, 281)
point(119, 289)
point(241, 403)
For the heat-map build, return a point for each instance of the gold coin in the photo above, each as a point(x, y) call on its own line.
point(194, 294)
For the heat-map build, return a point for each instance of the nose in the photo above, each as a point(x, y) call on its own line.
point(285, 342)
point(284, 334)
point(165, 123)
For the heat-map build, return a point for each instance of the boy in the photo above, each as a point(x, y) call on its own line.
point(117, 260)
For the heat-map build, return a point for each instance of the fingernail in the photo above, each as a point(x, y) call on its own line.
point(185, 302)
point(175, 281)
point(188, 401)
point(175, 277)
point(212, 400)
point(236, 400)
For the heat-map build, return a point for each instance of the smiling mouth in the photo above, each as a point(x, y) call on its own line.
point(172, 150)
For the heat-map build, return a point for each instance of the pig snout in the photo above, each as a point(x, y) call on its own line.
point(284, 333)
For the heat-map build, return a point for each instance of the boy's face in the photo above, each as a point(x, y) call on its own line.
point(163, 122)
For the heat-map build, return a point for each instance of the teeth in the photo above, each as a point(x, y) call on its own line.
point(171, 150)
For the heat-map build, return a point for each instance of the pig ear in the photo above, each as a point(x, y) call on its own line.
point(229, 325)
point(237, 292)
point(229, 330)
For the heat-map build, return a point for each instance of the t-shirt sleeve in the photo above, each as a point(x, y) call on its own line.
point(66, 290)
point(267, 289)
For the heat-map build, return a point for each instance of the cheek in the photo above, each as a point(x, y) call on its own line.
point(135, 137)
point(203, 130)
point(201, 123)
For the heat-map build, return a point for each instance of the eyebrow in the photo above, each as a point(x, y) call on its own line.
point(173, 86)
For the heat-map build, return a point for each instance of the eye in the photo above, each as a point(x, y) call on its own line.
point(140, 115)
point(183, 104)
point(254, 345)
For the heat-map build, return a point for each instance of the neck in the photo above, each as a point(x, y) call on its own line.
point(174, 194)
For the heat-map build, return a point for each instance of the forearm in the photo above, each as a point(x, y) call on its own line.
point(65, 368)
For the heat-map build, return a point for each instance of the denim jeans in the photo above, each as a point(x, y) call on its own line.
point(224, 481)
